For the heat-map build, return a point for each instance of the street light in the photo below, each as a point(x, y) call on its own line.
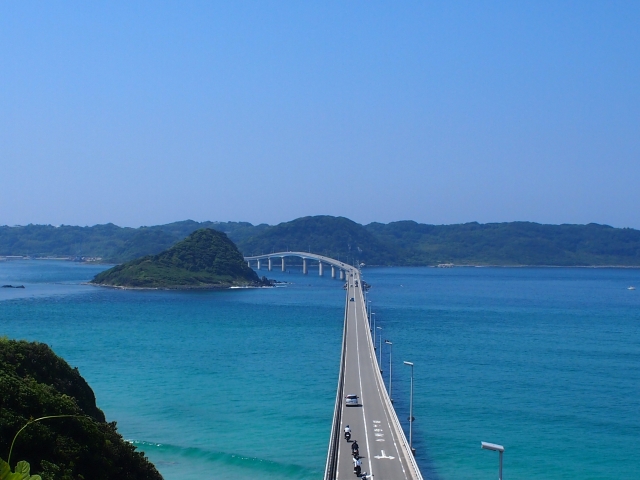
point(495, 448)
point(411, 410)
point(390, 352)
point(369, 305)
point(380, 352)
point(374, 330)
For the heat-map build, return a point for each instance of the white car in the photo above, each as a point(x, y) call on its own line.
point(351, 400)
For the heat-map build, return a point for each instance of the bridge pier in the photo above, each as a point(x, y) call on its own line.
point(341, 274)
point(304, 266)
point(269, 263)
point(249, 263)
point(333, 271)
point(283, 268)
point(258, 264)
point(320, 272)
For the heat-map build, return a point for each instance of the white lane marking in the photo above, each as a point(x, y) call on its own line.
point(379, 439)
point(391, 428)
point(364, 419)
point(384, 456)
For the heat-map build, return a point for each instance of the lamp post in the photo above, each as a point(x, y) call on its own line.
point(411, 410)
point(369, 316)
point(390, 352)
point(374, 330)
point(495, 448)
point(380, 350)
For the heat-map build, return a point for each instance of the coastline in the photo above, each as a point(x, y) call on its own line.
point(177, 287)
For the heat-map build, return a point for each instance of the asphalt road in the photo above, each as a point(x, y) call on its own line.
point(373, 423)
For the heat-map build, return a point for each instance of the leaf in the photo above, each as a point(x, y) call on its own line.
point(5, 470)
point(22, 471)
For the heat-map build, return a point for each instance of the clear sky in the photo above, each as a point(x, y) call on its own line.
point(140, 113)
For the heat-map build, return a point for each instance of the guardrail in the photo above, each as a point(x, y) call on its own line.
point(411, 460)
point(330, 469)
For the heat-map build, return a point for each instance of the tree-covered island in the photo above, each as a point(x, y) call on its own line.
point(206, 259)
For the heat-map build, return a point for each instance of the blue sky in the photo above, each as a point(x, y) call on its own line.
point(140, 113)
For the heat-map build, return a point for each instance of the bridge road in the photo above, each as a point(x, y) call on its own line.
point(383, 446)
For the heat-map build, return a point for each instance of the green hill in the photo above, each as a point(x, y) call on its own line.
point(34, 383)
point(335, 237)
point(396, 243)
point(109, 242)
point(205, 259)
point(515, 243)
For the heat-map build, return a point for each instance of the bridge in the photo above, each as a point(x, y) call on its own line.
point(336, 265)
point(384, 449)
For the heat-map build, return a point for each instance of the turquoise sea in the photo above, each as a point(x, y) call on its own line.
point(241, 384)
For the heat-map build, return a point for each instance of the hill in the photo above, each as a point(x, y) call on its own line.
point(205, 259)
point(34, 383)
point(109, 242)
point(515, 243)
point(335, 237)
point(396, 243)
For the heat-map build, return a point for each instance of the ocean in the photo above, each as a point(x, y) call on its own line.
point(240, 384)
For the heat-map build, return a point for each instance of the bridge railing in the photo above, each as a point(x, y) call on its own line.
point(404, 444)
point(331, 467)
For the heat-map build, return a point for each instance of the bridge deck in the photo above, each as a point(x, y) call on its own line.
point(374, 424)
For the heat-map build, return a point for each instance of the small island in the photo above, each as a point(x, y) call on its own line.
point(206, 259)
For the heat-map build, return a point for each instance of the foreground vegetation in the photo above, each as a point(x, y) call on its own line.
point(205, 259)
point(81, 445)
point(396, 243)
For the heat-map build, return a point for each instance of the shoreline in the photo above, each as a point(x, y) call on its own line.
point(179, 287)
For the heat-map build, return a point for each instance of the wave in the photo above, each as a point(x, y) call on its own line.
point(261, 467)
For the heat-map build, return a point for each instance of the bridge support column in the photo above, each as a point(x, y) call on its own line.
point(333, 271)
point(248, 263)
point(320, 271)
point(283, 268)
point(304, 266)
point(341, 274)
point(258, 264)
point(269, 263)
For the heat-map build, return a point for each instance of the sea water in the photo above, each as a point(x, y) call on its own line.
point(241, 384)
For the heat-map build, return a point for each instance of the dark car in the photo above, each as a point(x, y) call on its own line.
point(351, 299)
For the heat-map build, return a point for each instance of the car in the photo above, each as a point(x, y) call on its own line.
point(351, 299)
point(351, 400)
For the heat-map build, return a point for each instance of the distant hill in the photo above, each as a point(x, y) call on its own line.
point(515, 243)
point(34, 383)
point(396, 243)
point(109, 242)
point(205, 259)
point(335, 237)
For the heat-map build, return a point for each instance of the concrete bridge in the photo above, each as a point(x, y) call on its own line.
point(336, 265)
point(384, 449)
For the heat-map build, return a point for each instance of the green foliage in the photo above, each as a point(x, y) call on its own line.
point(335, 237)
point(109, 242)
point(396, 243)
point(36, 383)
point(21, 472)
point(515, 243)
point(205, 259)
point(414, 244)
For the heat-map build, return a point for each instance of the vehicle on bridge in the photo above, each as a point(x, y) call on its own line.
point(351, 400)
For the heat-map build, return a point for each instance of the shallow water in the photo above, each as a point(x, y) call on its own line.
point(241, 384)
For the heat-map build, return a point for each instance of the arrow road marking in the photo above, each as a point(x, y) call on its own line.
point(384, 456)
